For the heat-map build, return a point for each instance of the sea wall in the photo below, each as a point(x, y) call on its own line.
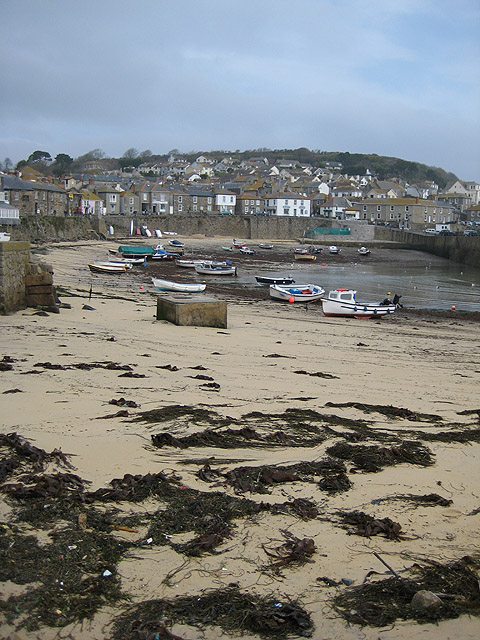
point(14, 265)
point(463, 249)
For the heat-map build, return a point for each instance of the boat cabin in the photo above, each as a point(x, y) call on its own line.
point(342, 295)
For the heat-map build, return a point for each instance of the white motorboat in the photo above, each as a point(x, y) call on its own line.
point(180, 287)
point(333, 249)
point(247, 251)
point(343, 303)
point(274, 279)
point(214, 270)
point(364, 251)
point(297, 292)
point(191, 263)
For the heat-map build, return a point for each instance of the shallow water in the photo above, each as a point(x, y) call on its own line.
point(438, 285)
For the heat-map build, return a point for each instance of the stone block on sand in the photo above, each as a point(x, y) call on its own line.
point(194, 311)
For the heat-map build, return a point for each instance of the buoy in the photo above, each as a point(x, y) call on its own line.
point(323, 264)
point(453, 307)
point(389, 293)
point(141, 287)
point(291, 299)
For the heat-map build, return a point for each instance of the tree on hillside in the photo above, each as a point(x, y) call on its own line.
point(62, 165)
point(39, 157)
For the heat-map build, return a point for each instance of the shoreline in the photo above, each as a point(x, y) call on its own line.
point(278, 369)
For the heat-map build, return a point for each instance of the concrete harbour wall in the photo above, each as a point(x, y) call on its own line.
point(14, 266)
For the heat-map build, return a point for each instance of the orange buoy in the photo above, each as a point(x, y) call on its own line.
point(291, 299)
point(453, 307)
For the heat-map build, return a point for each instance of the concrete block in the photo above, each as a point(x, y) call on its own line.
point(195, 311)
point(41, 300)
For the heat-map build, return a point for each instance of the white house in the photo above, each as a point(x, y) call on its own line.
point(225, 202)
point(288, 204)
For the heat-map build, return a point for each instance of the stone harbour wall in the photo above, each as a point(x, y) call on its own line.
point(14, 266)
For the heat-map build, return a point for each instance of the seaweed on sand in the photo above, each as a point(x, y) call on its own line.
point(229, 609)
point(362, 524)
point(22, 453)
point(193, 415)
point(261, 479)
point(293, 551)
point(65, 577)
point(389, 411)
point(373, 458)
point(381, 603)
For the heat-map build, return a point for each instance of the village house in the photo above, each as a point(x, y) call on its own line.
point(333, 207)
point(405, 213)
point(9, 215)
point(34, 198)
point(225, 202)
point(249, 204)
point(288, 204)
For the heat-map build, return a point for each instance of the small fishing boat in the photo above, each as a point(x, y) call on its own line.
point(135, 251)
point(176, 243)
point(128, 261)
point(262, 245)
point(170, 233)
point(161, 254)
point(296, 293)
point(191, 263)
point(300, 250)
point(333, 249)
point(305, 257)
point(216, 270)
point(247, 251)
point(108, 267)
point(227, 248)
point(343, 303)
point(274, 279)
point(180, 287)
point(363, 251)
point(238, 244)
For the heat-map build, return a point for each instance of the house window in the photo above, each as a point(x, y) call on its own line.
point(179, 200)
point(231, 198)
point(113, 197)
point(247, 202)
point(286, 211)
point(378, 216)
point(195, 199)
point(131, 200)
point(131, 209)
point(180, 207)
point(392, 216)
point(194, 207)
point(209, 207)
point(295, 202)
point(209, 201)
point(36, 195)
point(379, 208)
point(406, 207)
point(392, 207)
point(364, 208)
point(144, 196)
point(257, 203)
point(246, 209)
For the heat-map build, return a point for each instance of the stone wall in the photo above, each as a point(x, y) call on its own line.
point(462, 249)
point(14, 265)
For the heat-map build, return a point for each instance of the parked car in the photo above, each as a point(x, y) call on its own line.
point(433, 231)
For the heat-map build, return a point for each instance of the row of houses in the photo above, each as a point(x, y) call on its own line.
point(381, 204)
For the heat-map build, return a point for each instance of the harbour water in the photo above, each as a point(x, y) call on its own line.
point(434, 283)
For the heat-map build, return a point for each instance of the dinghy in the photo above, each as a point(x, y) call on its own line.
point(179, 287)
point(296, 293)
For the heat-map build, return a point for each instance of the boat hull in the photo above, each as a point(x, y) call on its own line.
point(212, 270)
point(104, 268)
point(296, 293)
point(274, 280)
point(338, 308)
point(178, 287)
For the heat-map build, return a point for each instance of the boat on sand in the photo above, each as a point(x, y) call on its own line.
point(180, 287)
point(296, 293)
point(343, 303)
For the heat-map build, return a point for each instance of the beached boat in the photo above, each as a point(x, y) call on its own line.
point(129, 261)
point(238, 244)
point(216, 270)
point(191, 263)
point(227, 248)
point(247, 251)
point(108, 267)
point(296, 293)
point(262, 245)
point(363, 251)
point(274, 279)
point(305, 257)
point(135, 251)
point(176, 243)
point(180, 287)
point(343, 303)
point(170, 233)
point(333, 249)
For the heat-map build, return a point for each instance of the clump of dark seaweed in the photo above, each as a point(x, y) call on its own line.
point(135, 488)
point(373, 458)
point(67, 576)
point(389, 411)
point(23, 454)
point(293, 550)
point(235, 438)
point(362, 524)
point(193, 415)
point(261, 479)
point(427, 500)
point(229, 609)
point(381, 603)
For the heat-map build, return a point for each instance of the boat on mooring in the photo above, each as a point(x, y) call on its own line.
point(333, 249)
point(305, 257)
point(364, 251)
point(274, 280)
point(296, 293)
point(216, 270)
point(343, 303)
point(179, 287)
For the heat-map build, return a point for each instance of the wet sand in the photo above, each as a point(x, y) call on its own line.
point(428, 364)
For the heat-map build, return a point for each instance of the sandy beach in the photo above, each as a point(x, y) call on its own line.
point(98, 379)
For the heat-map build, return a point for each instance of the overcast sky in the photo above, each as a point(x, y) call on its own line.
point(391, 77)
